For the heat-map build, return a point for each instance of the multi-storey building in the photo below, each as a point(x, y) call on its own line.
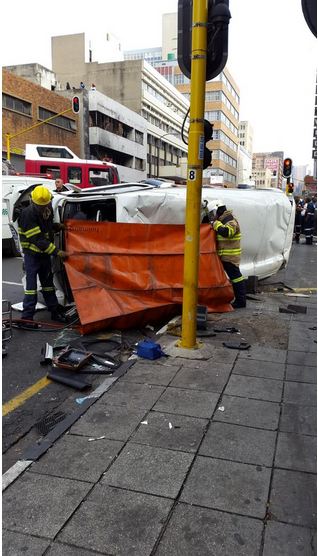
point(151, 55)
point(139, 87)
point(222, 110)
point(274, 162)
point(262, 178)
point(245, 153)
point(25, 104)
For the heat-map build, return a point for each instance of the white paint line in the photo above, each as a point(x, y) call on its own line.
point(13, 283)
point(13, 473)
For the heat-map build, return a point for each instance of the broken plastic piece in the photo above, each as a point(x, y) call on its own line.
point(221, 408)
point(237, 345)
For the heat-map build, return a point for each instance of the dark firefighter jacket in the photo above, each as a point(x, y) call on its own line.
point(35, 233)
point(228, 238)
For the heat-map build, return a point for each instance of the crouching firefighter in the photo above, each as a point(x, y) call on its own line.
point(229, 250)
point(36, 233)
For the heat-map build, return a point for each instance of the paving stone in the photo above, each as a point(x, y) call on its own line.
point(115, 521)
point(194, 531)
point(237, 443)
point(299, 392)
point(263, 369)
point(298, 373)
point(296, 451)
point(248, 412)
point(228, 486)
point(58, 549)
point(37, 506)
point(187, 402)
point(261, 353)
point(301, 358)
point(210, 380)
point(16, 543)
point(293, 497)
point(301, 419)
point(176, 432)
point(114, 422)
point(149, 469)
point(77, 458)
point(286, 540)
point(133, 395)
point(151, 373)
point(218, 355)
point(257, 388)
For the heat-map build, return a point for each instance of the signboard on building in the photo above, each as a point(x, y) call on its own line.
point(271, 163)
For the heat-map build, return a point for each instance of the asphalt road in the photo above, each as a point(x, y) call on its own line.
point(22, 372)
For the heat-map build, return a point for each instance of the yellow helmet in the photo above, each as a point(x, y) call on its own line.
point(41, 195)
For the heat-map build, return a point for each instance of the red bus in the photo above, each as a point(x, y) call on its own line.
point(61, 162)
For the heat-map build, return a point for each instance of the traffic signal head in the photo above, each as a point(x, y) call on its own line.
point(287, 168)
point(208, 134)
point(76, 105)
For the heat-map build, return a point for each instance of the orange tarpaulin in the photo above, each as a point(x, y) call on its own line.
point(126, 275)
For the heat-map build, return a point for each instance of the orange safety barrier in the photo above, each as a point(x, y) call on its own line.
point(128, 275)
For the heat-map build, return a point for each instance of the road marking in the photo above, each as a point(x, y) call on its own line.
point(13, 283)
point(24, 396)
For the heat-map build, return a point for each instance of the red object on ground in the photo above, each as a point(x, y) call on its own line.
point(128, 275)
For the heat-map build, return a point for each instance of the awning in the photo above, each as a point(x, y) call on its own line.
point(128, 275)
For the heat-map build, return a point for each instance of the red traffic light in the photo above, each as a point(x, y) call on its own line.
point(76, 105)
point(287, 167)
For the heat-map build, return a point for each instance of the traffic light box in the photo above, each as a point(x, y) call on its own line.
point(287, 167)
point(76, 105)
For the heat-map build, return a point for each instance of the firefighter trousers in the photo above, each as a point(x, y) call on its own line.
point(38, 266)
point(237, 281)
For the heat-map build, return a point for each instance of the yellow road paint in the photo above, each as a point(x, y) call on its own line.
point(305, 289)
point(24, 396)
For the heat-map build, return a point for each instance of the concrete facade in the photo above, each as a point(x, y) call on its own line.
point(246, 135)
point(25, 104)
point(169, 36)
point(36, 74)
point(274, 162)
point(139, 87)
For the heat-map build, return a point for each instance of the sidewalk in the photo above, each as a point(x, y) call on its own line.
point(206, 452)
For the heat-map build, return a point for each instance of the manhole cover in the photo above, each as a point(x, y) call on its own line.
point(48, 423)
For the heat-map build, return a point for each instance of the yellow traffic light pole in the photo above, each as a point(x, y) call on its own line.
point(194, 178)
point(12, 136)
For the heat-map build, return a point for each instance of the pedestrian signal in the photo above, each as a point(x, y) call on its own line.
point(287, 167)
point(76, 105)
point(208, 135)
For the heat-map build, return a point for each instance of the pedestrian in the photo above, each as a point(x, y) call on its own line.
point(93, 87)
point(59, 185)
point(82, 86)
point(298, 217)
point(309, 221)
point(228, 239)
point(36, 233)
point(68, 86)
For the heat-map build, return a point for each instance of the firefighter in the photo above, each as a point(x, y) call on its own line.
point(36, 233)
point(298, 218)
point(229, 250)
point(309, 221)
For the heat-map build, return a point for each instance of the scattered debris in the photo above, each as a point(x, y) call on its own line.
point(170, 426)
point(98, 438)
point(46, 354)
point(149, 350)
point(230, 329)
point(70, 379)
point(297, 295)
point(144, 423)
point(237, 345)
point(202, 312)
point(221, 408)
point(285, 310)
point(313, 328)
point(298, 308)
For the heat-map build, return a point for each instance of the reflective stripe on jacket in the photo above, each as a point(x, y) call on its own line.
point(228, 238)
point(35, 233)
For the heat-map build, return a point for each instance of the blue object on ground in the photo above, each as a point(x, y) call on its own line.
point(149, 350)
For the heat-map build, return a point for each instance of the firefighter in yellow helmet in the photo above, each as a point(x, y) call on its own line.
point(36, 233)
point(228, 236)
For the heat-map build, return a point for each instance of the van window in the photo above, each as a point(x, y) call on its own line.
point(54, 171)
point(53, 152)
point(74, 175)
point(99, 177)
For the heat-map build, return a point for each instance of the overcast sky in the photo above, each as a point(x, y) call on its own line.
point(272, 55)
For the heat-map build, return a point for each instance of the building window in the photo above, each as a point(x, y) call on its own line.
point(59, 121)
point(139, 137)
point(139, 163)
point(16, 104)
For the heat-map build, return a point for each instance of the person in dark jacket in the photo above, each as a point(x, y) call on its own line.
point(228, 238)
point(309, 221)
point(36, 233)
point(298, 217)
